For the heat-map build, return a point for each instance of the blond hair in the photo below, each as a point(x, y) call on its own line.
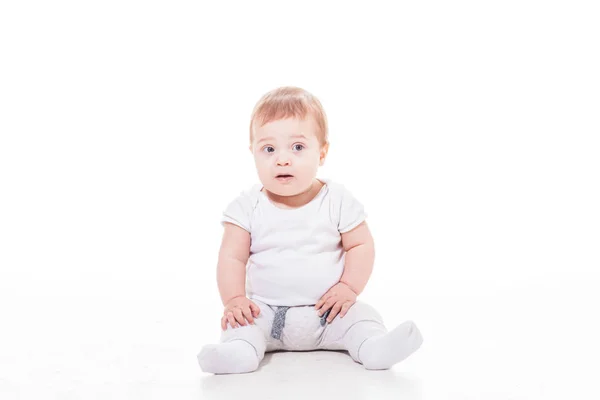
point(290, 102)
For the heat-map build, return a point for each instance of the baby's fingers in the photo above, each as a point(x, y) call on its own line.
point(319, 304)
point(239, 316)
point(322, 300)
point(231, 320)
point(345, 308)
point(328, 304)
point(255, 309)
point(334, 311)
point(248, 314)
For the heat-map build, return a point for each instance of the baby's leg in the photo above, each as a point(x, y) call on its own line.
point(380, 350)
point(241, 349)
point(368, 341)
point(240, 353)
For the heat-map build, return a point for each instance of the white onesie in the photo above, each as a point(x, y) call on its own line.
point(296, 255)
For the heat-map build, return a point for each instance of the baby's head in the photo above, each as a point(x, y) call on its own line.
point(288, 138)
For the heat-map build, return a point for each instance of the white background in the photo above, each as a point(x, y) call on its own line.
point(469, 130)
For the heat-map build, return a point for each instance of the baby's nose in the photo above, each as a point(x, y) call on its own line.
point(283, 160)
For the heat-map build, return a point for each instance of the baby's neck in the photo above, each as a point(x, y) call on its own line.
point(297, 200)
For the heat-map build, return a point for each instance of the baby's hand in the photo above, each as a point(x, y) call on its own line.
point(340, 297)
point(236, 310)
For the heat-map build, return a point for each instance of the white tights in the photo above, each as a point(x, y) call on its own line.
point(361, 332)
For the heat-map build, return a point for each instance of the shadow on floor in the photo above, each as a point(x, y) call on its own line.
point(311, 375)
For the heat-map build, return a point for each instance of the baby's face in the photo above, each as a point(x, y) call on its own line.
point(287, 154)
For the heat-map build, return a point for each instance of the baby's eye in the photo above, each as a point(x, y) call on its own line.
point(298, 147)
point(268, 149)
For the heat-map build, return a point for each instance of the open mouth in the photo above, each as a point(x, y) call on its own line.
point(284, 178)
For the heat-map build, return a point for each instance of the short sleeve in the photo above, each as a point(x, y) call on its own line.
point(239, 211)
point(349, 211)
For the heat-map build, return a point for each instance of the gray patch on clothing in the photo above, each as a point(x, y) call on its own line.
point(279, 322)
point(324, 317)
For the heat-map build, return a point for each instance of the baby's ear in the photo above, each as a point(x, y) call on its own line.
point(323, 155)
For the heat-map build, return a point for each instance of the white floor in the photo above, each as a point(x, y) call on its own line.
point(522, 342)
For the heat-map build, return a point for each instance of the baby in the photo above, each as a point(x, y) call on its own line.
point(308, 252)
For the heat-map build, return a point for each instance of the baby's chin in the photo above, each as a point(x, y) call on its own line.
point(287, 189)
point(285, 192)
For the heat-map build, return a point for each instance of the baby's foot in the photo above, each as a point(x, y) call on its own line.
point(235, 357)
point(381, 352)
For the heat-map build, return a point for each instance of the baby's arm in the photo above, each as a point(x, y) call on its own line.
point(358, 265)
point(231, 267)
point(231, 276)
point(360, 256)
